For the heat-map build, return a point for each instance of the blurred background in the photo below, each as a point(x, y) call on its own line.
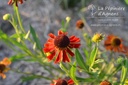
point(46, 16)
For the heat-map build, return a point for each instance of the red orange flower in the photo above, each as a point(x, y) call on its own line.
point(105, 83)
point(59, 46)
point(125, 50)
point(114, 43)
point(63, 82)
point(3, 67)
point(79, 24)
point(10, 2)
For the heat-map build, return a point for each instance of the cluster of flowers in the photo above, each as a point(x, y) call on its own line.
point(59, 47)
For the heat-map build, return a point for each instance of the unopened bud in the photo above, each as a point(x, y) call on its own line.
point(6, 17)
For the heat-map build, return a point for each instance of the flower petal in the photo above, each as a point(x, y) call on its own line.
point(74, 45)
point(10, 2)
point(60, 32)
point(65, 57)
point(59, 57)
point(70, 81)
point(51, 56)
point(75, 39)
point(51, 35)
point(20, 1)
point(3, 75)
point(70, 52)
point(6, 61)
point(48, 49)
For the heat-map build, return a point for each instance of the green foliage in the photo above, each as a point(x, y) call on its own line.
point(93, 56)
point(35, 37)
point(80, 61)
point(126, 1)
point(124, 72)
point(90, 66)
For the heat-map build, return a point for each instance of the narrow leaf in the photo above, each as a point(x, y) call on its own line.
point(35, 38)
point(80, 60)
point(93, 56)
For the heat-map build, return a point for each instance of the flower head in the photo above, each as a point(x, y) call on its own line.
point(3, 67)
point(114, 43)
point(105, 83)
point(63, 82)
point(59, 46)
point(79, 24)
point(10, 2)
point(97, 37)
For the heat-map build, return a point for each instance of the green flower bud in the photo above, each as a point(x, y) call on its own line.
point(6, 16)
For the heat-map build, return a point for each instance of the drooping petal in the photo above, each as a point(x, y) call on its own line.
point(3, 75)
point(6, 61)
point(74, 45)
point(70, 81)
point(20, 1)
point(51, 56)
point(75, 39)
point(60, 32)
point(65, 57)
point(49, 45)
point(50, 41)
point(10, 2)
point(70, 52)
point(51, 35)
point(59, 57)
point(48, 49)
point(72, 37)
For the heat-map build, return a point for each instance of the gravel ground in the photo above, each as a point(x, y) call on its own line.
point(46, 16)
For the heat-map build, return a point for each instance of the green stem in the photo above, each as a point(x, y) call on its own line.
point(19, 19)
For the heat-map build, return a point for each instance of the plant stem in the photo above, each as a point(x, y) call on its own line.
point(19, 19)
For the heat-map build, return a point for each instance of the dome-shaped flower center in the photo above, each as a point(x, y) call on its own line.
point(79, 24)
point(61, 82)
point(116, 42)
point(61, 41)
point(2, 68)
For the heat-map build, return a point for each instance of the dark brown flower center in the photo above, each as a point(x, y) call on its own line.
point(2, 68)
point(79, 24)
point(61, 82)
point(61, 41)
point(116, 42)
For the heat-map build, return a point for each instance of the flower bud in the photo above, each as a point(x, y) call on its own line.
point(6, 17)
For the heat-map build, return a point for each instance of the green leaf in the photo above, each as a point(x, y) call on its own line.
point(35, 37)
point(85, 79)
point(124, 72)
point(126, 1)
point(80, 60)
point(86, 53)
point(29, 78)
point(99, 61)
point(17, 36)
point(17, 57)
point(93, 56)
point(73, 72)
point(64, 68)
